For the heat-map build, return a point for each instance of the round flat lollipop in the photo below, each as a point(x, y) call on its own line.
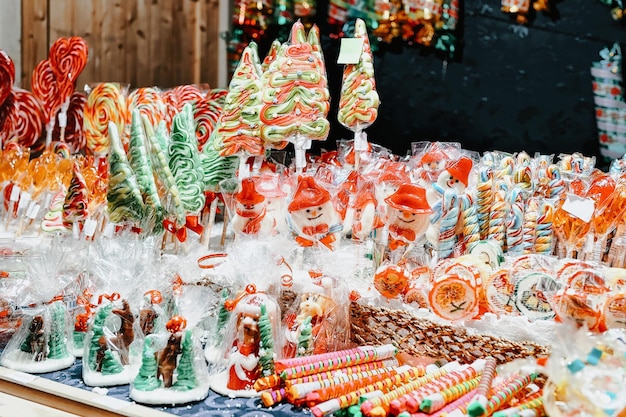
point(7, 76)
point(615, 311)
point(149, 103)
point(499, 292)
point(530, 300)
point(105, 104)
point(453, 298)
point(27, 117)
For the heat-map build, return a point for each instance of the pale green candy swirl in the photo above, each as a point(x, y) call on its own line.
point(162, 169)
point(216, 168)
point(124, 202)
point(140, 163)
point(185, 163)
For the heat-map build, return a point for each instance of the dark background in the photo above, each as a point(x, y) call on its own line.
point(512, 87)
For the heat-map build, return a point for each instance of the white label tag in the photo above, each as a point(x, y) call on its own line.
point(90, 227)
point(360, 141)
point(47, 200)
point(25, 200)
point(350, 50)
point(300, 158)
point(15, 193)
point(308, 144)
point(580, 207)
point(33, 210)
point(108, 230)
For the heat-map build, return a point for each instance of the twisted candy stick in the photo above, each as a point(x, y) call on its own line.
point(545, 233)
point(556, 185)
point(105, 104)
point(347, 371)
point(535, 404)
point(458, 404)
point(477, 407)
point(448, 224)
point(53, 220)
point(530, 225)
point(471, 230)
point(498, 211)
point(307, 365)
point(502, 396)
point(437, 401)
point(7, 76)
point(484, 198)
point(515, 221)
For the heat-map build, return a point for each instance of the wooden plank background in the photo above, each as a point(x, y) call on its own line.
point(137, 42)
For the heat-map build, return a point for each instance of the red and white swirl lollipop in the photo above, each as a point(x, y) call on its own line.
point(46, 89)
point(27, 117)
point(6, 122)
point(68, 58)
point(7, 75)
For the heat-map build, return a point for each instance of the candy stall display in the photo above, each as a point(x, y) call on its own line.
point(356, 282)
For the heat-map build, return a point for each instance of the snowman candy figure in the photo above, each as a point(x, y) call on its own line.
point(312, 215)
point(407, 216)
point(249, 210)
point(454, 177)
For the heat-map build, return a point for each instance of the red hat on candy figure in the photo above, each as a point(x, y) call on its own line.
point(312, 214)
point(454, 177)
point(249, 208)
point(408, 215)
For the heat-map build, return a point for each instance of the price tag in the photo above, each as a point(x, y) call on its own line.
point(33, 210)
point(15, 193)
point(300, 158)
point(90, 227)
point(580, 207)
point(350, 50)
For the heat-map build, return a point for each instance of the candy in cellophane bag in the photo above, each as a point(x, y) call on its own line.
point(173, 370)
point(250, 345)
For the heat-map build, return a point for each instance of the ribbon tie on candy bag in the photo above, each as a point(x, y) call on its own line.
point(111, 297)
point(191, 223)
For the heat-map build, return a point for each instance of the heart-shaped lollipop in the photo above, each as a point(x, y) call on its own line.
point(46, 89)
point(68, 57)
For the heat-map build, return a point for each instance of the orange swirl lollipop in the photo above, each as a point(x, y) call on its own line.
point(105, 104)
point(46, 88)
point(149, 102)
point(68, 57)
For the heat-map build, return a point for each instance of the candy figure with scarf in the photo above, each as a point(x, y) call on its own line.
point(249, 209)
point(454, 177)
point(312, 216)
point(408, 215)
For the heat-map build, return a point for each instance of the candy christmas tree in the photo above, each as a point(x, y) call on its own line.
point(186, 377)
point(57, 344)
point(146, 379)
point(76, 200)
point(110, 364)
point(266, 343)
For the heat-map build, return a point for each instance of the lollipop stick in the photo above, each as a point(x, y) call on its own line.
point(49, 130)
point(210, 223)
point(300, 149)
point(224, 228)
point(63, 118)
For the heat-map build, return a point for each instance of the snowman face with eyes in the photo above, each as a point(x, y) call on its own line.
point(448, 182)
point(313, 216)
point(416, 222)
point(249, 210)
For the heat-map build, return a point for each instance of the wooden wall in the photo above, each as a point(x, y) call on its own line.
point(140, 42)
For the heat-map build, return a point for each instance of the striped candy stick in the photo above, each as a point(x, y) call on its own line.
point(479, 402)
point(533, 404)
point(411, 402)
point(382, 402)
point(269, 398)
point(335, 391)
point(503, 395)
point(458, 404)
point(348, 371)
point(308, 365)
point(435, 402)
point(353, 397)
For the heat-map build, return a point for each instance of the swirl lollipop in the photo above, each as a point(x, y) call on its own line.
point(295, 95)
point(358, 105)
point(105, 104)
point(7, 76)
point(46, 89)
point(176, 98)
point(149, 103)
point(27, 117)
point(68, 58)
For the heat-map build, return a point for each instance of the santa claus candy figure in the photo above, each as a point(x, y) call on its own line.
point(407, 215)
point(312, 215)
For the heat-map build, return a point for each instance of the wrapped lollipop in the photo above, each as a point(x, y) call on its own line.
point(149, 103)
point(184, 163)
point(358, 105)
point(407, 217)
point(105, 103)
point(139, 160)
point(124, 202)
point(68, 58)
point(296, 98)
point(238, 129)
point(46, 88)
point(74, 134)
point(75, 207)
